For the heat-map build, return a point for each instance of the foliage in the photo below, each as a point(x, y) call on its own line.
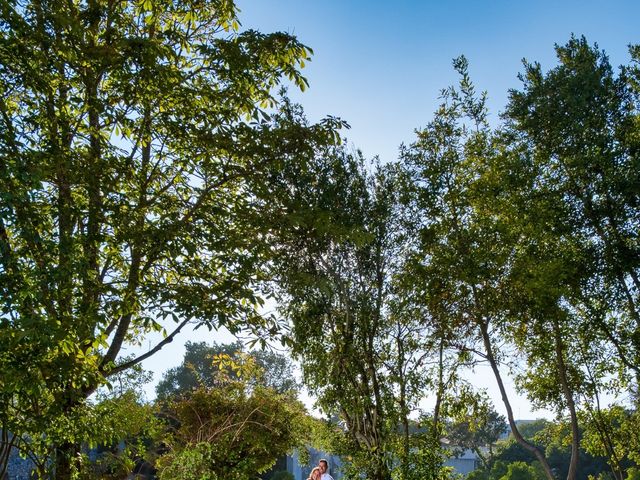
point(114, 417)
point(424, 460)
point(134, 430)
point(196, 370)
point(613, 433)
point(531, 429)
point(576, 125)
point(555, 440)
point(576, 262)
point(528, 233)
point(509, 471)
point(363, 350)
point(461, 262)
point(633, 474)
point(522, 471)
point(282, 475)
point(323, 281)
point(133, 146)
point(150, 178)
point(476, 427)
point(201, 367)
point(231, 433)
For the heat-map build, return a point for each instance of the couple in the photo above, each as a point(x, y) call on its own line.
point(320, 472)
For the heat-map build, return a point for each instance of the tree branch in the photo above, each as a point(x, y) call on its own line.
point(158, 347)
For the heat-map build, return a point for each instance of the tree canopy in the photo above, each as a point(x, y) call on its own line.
point(151, 176)
point(211, 365)
point(134, 139)
point(517, 246)
point(235, 429)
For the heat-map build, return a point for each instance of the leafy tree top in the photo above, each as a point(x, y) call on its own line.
point(213, 365)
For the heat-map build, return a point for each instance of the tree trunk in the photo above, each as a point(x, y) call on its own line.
point(568, 396)
point(507, 404)
point(381, 472)
point(6, 444)
point(65, 454)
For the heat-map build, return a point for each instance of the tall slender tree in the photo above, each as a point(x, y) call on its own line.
point(578, 211)
point(360, 351)
point(461, 264)
point(578, 123)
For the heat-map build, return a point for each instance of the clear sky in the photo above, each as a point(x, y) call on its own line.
point(380, 65)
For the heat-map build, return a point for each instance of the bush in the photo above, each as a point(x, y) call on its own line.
point(230, 432)
point(282, 475)
point(633, 474)
point(522, 471)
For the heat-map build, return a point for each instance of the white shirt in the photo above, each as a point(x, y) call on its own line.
point(326, 476)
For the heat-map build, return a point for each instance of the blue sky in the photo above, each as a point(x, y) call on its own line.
point(381, 65)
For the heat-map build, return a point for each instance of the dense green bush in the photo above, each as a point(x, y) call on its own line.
point(231, 433)
point(282, 475)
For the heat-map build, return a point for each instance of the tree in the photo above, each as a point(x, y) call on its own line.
point(576, 276)
point(461, 262)
point(363, 351)
point(232, 431)
point(113, 415)
point(529, 233)
point(199, 368)
point(129, 175)
point(335, 291)
point(477, 427)
point(578, 127)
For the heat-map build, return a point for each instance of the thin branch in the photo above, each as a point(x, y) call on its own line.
point(158, 347)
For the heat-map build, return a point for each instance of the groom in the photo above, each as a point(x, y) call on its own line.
point(324, 466)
